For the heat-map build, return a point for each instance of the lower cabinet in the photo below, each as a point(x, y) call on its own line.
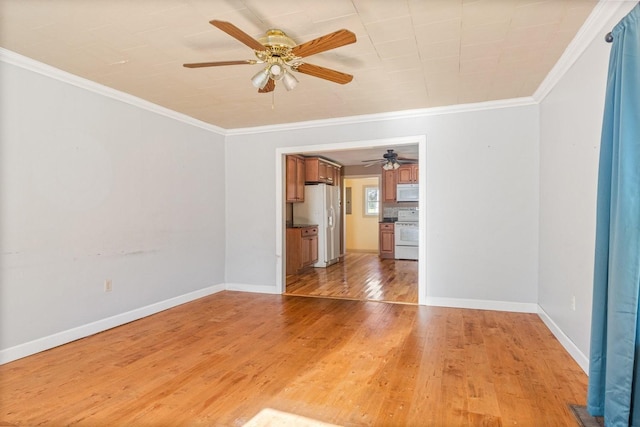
point(387, 244)
point(302, 248)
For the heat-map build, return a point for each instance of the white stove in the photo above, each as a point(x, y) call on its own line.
point(406, 234)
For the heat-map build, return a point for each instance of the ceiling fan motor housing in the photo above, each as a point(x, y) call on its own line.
point(277, 38)
point(278, 45)
point(389, 155)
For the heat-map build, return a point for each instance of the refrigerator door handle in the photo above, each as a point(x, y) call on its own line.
point(331, 213)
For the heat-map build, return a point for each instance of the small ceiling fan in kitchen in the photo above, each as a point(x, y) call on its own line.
point(390, 160)
point(281, 56)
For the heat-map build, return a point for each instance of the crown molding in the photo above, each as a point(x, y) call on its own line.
point(594, 25)
point(29, 64)
point(599, 17)
point(393, 115)
point(24, 62)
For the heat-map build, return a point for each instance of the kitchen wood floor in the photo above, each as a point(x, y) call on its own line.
point(361, 276)
point(219, 360)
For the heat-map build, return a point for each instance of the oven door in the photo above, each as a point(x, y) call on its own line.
point(406, 234)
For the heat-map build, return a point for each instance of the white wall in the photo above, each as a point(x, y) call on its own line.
point(482, 200)
point(93, 188)
point(570, 123)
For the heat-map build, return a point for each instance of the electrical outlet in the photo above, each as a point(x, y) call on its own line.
point(107, 285)
point(573, 303)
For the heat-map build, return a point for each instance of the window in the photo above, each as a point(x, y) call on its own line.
point(371, 201)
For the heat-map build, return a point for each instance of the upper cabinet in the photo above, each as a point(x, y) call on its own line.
point(322, 171)
point(296, 168)
point(389, 182)
point(405, 174)
point(337, 175)
point(408, 174)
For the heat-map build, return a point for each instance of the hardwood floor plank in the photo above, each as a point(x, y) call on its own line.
point(220, 360)
point(361, 276)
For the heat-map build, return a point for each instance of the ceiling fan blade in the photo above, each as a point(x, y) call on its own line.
point(219, 63)
point(407, 159)
point(374, 160)
point(324, 43)
point(269, 87)
point(324, 73)
point(238, 34)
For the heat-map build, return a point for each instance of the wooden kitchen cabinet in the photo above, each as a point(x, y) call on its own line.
point(389, 182)
point(387, 243)
point(319, 170)
point(295, 178)
point(337, 175)
point(302, 248)
point(408, 174)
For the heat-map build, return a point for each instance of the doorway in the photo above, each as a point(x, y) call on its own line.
point(393, 271)
point(361, 213)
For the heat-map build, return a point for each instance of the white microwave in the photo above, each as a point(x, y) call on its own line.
point(407, 193)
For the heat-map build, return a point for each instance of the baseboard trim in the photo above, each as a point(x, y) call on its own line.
point(581, 359)
point(41, 344)
point(256, 289)
point(517, 307)
point(64, 337)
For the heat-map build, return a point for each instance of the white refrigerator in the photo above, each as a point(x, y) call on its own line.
point(321, 206)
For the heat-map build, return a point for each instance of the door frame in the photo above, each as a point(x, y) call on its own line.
point(280, 154)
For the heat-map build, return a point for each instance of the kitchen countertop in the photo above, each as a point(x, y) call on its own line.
point(385, 220)
point(301, 225)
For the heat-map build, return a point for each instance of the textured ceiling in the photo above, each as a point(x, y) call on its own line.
point(410, 53)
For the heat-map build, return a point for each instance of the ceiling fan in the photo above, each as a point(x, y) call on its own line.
point(282, 56)
point(390, 160)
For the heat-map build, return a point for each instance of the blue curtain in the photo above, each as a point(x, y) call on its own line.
point(614, 368)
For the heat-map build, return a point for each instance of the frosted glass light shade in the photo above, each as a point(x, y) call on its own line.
point(289, 81)
point(260, 80)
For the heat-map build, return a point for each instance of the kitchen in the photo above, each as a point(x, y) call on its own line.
point(318, 212)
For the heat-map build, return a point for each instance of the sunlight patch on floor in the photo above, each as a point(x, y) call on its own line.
point(271, 418)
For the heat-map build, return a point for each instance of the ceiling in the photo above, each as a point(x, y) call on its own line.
point(358, 157)
point(409, 54)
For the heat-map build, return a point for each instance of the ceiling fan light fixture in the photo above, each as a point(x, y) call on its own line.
point(281, 55)
point(396, 165)
point(276, 70)
point(289, 81)
point(260, 79)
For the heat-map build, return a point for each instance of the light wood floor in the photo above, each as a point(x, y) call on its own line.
point(361, 276)
point(220, 360)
